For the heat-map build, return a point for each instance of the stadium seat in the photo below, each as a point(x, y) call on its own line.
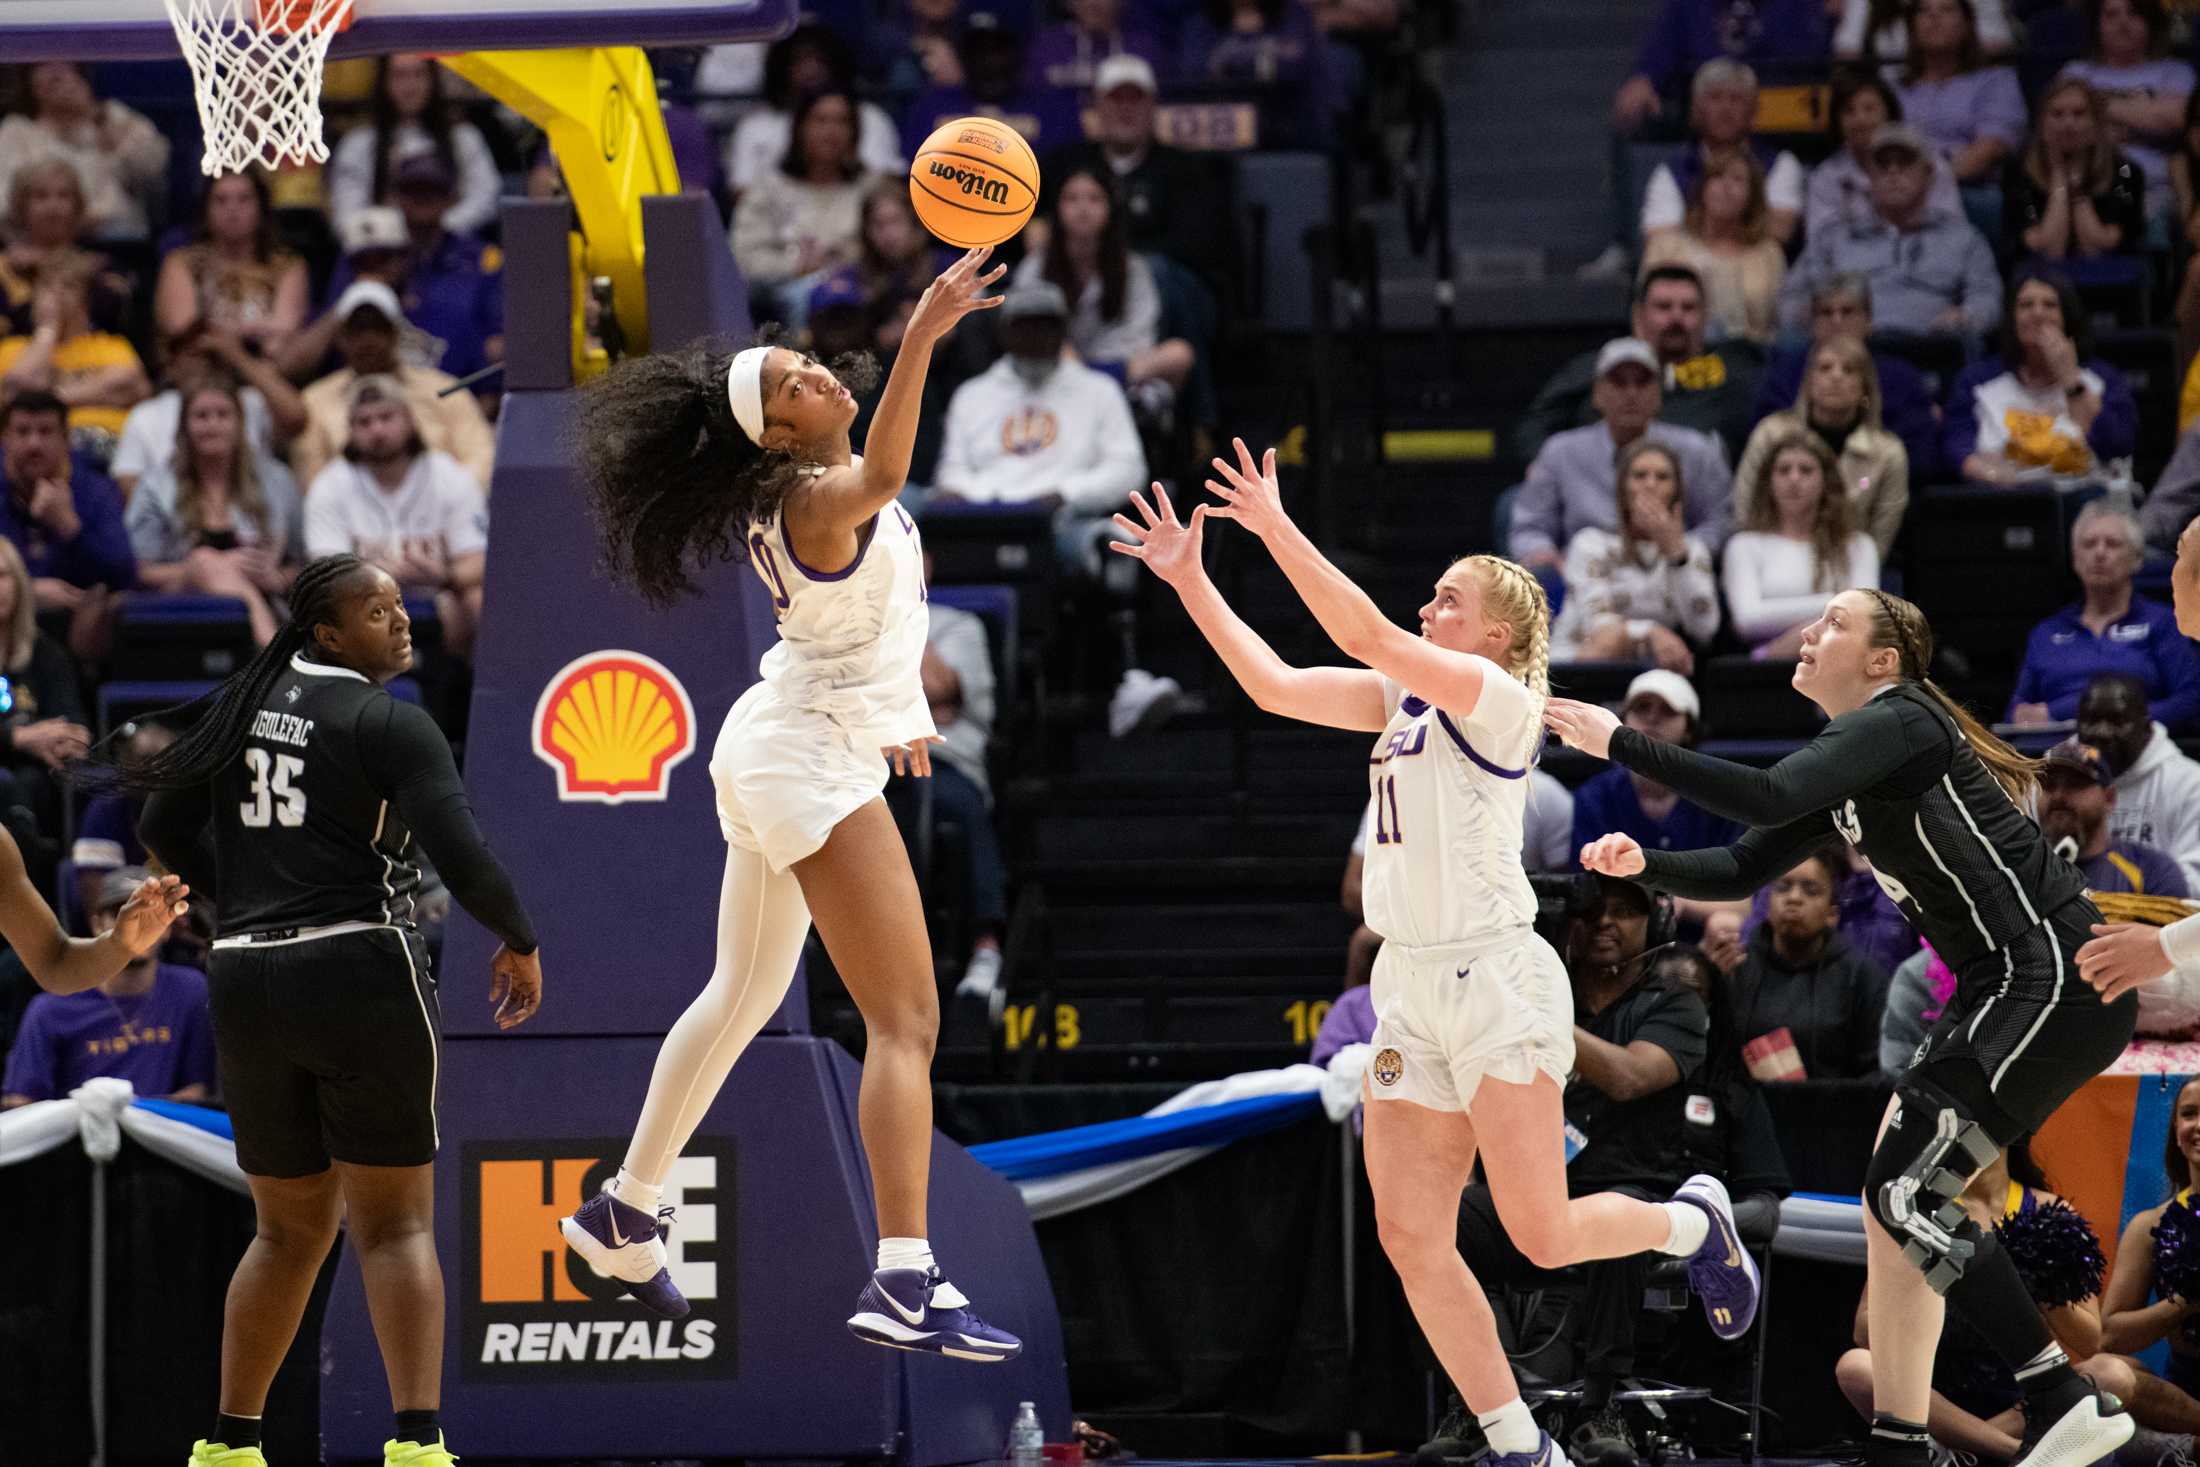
point(165, 637)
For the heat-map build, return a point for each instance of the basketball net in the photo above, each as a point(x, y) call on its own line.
point(257, 66)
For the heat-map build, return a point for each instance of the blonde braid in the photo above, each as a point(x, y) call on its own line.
point(1521, 600)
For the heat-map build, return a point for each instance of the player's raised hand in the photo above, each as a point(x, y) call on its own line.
point(145, 918)
point(960, 289)
point(2121, 956)
point(1613, 855)
point(1583, 726)
point(2184, 580)
point(515, 985)
point(1170, 549)
point(1249, 492)
point(913, 758)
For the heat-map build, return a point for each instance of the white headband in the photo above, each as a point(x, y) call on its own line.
point(745, 391)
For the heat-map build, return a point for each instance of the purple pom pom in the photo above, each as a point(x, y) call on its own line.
point(2056, 1252)
point(2177, 1252)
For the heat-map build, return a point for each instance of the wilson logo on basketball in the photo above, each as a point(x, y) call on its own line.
point(613, 724)
point(532, 1309)
point(973, 185)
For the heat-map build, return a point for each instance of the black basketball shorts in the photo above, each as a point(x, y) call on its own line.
point(2033, 1028)
point(329, 1045)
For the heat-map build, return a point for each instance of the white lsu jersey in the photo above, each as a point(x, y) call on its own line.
point(851, 642)
point(1450, 802)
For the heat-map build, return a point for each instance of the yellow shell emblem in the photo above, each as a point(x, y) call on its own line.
point(613, 724)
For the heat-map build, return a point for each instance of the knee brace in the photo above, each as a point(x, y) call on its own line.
point(1932, 1148)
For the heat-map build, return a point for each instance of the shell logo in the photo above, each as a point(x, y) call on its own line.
point(613, 724)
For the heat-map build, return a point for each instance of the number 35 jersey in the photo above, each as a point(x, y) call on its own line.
point(1450, 799)
point(851, 641)
point(305, 819)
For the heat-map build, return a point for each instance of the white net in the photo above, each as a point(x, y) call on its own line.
point(258, 66)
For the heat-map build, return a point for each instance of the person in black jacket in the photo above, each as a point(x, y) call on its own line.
point(1931, 799)
point(1809, 1003)
point(293, 802)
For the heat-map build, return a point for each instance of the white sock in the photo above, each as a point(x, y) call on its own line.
point(1510, 1428)
point(904, 1253)
point(636, 1193)
point(1688, 1225)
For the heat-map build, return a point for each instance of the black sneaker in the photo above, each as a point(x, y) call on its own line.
point(1458, 1439)
point(1601, 1439)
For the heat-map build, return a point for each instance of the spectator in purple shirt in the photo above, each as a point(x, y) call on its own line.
point(451, 285)
point(1869, 920)
point(2043, 409)
point(2146, 89)
point(2111, 630)
point(992, 85)
point(63, 515)
point(1687, 33)
point(1066, 57)
point(148, 1025)
point(1971, 112)
point(1274, 46)
point(2077, 796)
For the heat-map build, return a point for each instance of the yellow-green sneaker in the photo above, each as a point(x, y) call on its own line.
point(214, 1454)
point(412, 1454)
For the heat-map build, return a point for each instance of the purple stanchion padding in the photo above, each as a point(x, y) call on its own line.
point(773, 1241)
point(776, 1231)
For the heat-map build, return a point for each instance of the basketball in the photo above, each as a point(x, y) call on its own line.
point(974, 182)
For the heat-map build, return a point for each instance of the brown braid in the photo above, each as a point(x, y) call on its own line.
point(1901, 626)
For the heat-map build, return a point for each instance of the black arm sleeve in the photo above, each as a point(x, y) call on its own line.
point(1729, 873)
point(175, 831)
point(406, 756)
point(1852, 753)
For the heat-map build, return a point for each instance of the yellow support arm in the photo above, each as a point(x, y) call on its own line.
point(599, 107)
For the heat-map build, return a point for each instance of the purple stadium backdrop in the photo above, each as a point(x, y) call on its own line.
point(587, 762)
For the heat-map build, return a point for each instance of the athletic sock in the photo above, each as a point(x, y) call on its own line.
point(1687, 1225)
point(1510, 1429)
point(913, 1253)
point(634, 1192)
point(1898, 1443)
point(236, 1431)
point(418, 1427)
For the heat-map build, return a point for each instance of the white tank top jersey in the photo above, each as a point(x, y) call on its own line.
point(1451, 797)
point(851, 643)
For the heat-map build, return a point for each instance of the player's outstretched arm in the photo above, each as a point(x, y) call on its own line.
point(64, 964)
point(1336, 697)
point(1716, 874)
point(1249, 494)
point(842, 499)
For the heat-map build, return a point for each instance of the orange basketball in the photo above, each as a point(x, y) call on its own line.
point(974, 182)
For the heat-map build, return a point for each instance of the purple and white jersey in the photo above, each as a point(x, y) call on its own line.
point(851, 643)
point(1450, 802)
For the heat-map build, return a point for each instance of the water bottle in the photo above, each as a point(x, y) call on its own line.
point(1027, 1442)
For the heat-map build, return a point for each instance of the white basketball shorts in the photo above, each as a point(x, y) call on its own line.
point(785, 776)
point(1447, 1018)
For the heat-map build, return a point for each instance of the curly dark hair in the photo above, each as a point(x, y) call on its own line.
point(674, 482)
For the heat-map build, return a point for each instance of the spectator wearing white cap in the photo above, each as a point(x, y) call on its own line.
point(1573, 484)
point(411, 509)
point(1662, 705)
point(451, 285)
point(1930, 271)
point(1175, 203)
point(368, 325)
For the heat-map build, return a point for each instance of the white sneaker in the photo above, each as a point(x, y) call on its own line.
point(981, 975)
point(1143, 702)
point(1613, 264)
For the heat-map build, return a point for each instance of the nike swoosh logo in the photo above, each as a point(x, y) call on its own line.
point(908, 1316)
point(1464, 971)
point(618, 1239)
point(1733, 1254)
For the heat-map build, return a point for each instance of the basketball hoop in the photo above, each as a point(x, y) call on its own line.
point(257, 66)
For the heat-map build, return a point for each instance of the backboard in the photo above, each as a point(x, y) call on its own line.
point(139, 30)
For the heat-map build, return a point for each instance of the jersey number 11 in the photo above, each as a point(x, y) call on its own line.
point(1386, 793)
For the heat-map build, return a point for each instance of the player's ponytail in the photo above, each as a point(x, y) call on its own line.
point(1898, 624)
point(1511, 594)
point(674, 481)
point(214, 727)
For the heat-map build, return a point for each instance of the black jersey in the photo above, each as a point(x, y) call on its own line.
point(1896, 779)
point(314, 822)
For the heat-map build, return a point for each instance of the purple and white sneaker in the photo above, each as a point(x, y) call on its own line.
point(1546, 1454)
point(626, 1244)
point(1721, 1271)
point(918, 1309)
